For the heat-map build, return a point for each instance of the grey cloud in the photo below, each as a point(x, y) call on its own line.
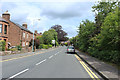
point(68, 11)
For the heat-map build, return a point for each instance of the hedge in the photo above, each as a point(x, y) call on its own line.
point(2, 45)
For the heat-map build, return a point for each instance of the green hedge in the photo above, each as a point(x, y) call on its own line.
point(43, 46)
point(49, 46)
point(19, 47)
point(2, 45)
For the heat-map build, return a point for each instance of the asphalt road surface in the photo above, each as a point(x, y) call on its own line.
point(51, 64)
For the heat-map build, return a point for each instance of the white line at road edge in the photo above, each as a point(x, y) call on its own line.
point(41, 62)
point(18, 74)
point(50, 56)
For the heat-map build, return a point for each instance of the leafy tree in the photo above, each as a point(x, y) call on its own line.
point(61, 34)
point(86, 30)
point(108, 41)
point(101, 10)
point(40, 39)
point(49, 35)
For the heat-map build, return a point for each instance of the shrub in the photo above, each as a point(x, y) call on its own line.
point(13, 49)
point(41, 46)
point(19, 47)
point(45, 46)
point(66, 44)
point(49, 46)
point(56, 43)
point(2, 45)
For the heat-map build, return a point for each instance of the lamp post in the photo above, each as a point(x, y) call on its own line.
point(33, 33)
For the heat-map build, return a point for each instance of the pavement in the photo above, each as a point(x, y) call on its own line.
point(105, 70)
point(51, 63)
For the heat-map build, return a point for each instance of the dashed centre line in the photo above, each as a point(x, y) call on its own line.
point(17, 74)
point(41, 61)
point(28, 68)
point(50, 56)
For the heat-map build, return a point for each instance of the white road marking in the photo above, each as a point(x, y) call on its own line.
point(50, 56)
point(18, 74)
point(41, 62)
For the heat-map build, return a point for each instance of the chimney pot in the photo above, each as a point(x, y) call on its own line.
point(25, 25)
point(6, 15)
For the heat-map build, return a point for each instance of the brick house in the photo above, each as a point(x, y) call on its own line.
point(4, 26)
point(17, 35)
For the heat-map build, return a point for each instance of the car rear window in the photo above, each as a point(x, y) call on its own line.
point(70, 47)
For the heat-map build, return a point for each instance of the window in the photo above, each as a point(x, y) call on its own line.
point(23, 34)
point(27, 43)
point(0, 28)
point(23, 44)
point(27, 35)
point(5, 29)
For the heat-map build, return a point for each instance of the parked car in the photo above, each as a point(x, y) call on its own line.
point(70, 49)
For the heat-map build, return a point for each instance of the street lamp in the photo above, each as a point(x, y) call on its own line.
point(33, 33)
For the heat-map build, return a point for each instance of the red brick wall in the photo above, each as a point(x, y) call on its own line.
point(14, 34)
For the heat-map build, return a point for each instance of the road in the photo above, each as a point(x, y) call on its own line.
point(51, 64)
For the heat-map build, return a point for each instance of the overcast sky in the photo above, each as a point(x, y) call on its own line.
point(68, 14)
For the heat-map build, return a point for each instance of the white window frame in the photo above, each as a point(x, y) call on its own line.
point(1, 28)
point(23, 34)
point(27, 35)
point(23, 43)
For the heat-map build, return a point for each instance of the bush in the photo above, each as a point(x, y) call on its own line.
point(2, 45)
point(41, 46)
point(19, 47)
point(66, 44)
point(45, 46)
point(56, 43)
point(13, 49)
point(49, 46)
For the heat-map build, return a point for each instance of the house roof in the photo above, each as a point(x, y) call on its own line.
point(23, 28)
point(1, 19)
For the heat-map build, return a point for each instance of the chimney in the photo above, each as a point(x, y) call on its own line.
point(24, 25)
point(40, 33)
point(6, 15)
point(35, 31)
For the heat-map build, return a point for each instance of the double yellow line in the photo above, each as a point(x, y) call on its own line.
point(89, 71)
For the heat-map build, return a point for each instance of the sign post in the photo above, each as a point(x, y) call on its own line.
point(53, 42)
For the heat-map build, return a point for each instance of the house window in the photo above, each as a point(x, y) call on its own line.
point(27, 35)
point(5, 29)
point(23, 34)
point(0, 28)
point(27, 43)
point(23, 44)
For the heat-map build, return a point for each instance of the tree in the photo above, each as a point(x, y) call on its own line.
point(40, 39)
point(101, 10)
point(61, 34)
point(49, 35)
point(86, 30)
point(106, 44)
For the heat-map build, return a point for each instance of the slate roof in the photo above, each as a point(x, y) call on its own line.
point(23, 28)
point(1, 19)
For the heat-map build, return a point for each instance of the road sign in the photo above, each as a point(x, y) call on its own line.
point(53, 41)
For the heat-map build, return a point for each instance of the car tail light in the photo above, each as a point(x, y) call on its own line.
point(67, 49)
